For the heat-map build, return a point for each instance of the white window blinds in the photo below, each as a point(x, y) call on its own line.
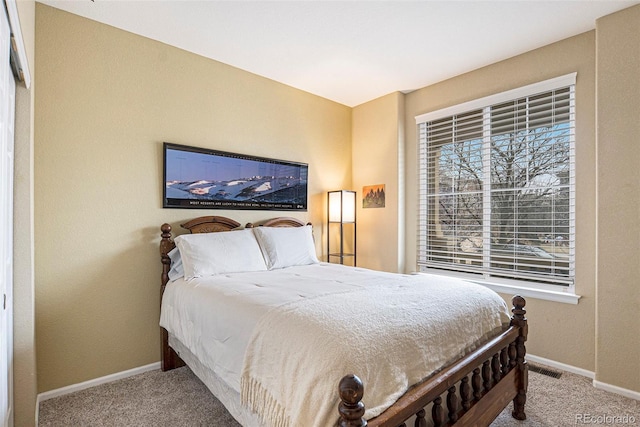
point(496, 182)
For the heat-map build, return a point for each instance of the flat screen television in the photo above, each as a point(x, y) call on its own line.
point(211, 179)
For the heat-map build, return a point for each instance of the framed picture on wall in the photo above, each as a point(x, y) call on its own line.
point(373, 196)
point(201, 178)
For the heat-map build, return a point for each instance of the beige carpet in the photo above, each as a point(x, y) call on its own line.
point(178, 398)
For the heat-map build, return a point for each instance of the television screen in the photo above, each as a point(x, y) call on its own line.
point(211, 179)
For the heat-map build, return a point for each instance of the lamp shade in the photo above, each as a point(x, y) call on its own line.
point(335, 206)
point(342, 206)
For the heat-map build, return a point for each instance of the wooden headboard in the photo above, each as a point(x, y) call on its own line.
point(210, 224)
point(282, 221)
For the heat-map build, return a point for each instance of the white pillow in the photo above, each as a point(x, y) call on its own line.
point(286, 246)
point(208, 254)
point(177, 270)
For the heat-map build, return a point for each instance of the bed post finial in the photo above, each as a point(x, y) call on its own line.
point(522, 381)
point(518, 310)
point(351, 408)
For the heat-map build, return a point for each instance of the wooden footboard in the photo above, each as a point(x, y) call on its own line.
point(471, 392)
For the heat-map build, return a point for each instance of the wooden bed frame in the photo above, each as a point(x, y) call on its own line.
point(470, 392)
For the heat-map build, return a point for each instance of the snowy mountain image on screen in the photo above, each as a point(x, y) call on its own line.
point(257, 188)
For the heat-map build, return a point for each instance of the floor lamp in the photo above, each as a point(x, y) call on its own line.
point(341, 208)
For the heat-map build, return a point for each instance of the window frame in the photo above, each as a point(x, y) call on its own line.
point(527, 287)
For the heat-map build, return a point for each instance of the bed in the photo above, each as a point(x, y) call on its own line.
point(461, 365)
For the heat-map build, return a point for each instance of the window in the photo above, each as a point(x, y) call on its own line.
point(496, 182)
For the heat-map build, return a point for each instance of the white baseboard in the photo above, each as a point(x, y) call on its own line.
point(561, 366)
point(618, 390)
point(97, 381)
point(579, 371)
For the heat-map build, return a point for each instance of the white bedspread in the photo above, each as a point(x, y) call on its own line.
point(303, 328)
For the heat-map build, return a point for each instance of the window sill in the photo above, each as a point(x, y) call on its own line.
point(543, 291)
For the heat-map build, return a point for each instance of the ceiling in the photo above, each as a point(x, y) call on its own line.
point(351, 51)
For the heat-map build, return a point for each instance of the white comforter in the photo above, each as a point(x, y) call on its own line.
point(252, 325)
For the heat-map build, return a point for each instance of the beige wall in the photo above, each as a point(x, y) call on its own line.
point(378, 154)
point(561, 332)
point(24, 362)
point(106, 101)
point(618, 266)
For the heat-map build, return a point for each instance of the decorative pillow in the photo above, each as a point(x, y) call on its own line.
point(208, 254)
point(177, 270)
point(286, 246)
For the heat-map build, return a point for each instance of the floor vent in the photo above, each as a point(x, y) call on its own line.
point(545, 371)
